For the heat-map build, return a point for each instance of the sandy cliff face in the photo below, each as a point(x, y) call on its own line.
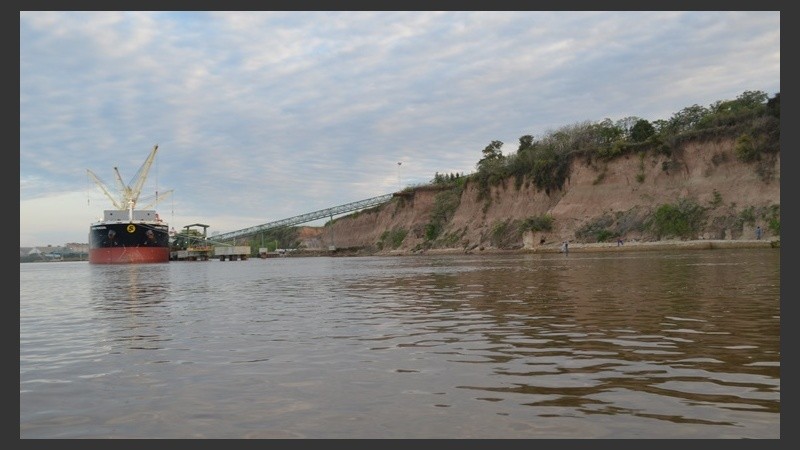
point(623, 191)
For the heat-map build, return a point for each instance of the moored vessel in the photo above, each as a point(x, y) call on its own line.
point(127, 235)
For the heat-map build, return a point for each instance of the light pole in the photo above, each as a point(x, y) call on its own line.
point(399, 183)
point(332, 247)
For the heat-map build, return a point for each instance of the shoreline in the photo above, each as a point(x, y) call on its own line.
point(630, 246)
point(661, 245)
point(555, 247)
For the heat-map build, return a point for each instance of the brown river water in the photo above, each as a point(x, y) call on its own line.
point(655, 344)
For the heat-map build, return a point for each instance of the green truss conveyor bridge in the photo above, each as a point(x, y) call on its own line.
point(304, 218)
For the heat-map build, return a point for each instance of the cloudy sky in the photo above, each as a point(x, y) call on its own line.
point(262, 116)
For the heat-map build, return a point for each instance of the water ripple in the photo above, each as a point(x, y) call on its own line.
point(661, 344)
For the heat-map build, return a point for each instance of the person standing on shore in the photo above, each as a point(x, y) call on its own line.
point(565, 248)
point(758, 233)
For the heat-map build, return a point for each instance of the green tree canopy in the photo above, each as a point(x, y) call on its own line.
point(642, 130)
point(491, 154)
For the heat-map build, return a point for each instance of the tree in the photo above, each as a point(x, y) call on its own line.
point(687, 118)
point(607, 132)
point(661, 126)
point(752, 99)
point(491, 153)
point(774, 105)
point(626, 125)
point(525, 142)
point(642, 130)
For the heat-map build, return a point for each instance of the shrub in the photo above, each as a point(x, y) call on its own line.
point(392, 238)
point(538, 223)
point(596, 230)
point(773, 217)
point(774, 225)
point(505, 234)
point(679, 220)
point(433, 230)
point(604, 236)
point(748, 215)
point(745, 149)
point(717, 200)
point(444, 207)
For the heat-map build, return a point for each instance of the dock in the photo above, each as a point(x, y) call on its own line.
point(264, 253)
point(232, 253)
point(205, 253)
point(197, 247)
point(191, 254)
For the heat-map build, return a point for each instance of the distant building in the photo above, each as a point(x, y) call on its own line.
point(68, 252)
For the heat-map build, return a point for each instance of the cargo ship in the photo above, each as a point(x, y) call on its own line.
point(128, 234)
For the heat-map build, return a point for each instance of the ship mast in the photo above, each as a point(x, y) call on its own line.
point(129, 194)
point(132, 193)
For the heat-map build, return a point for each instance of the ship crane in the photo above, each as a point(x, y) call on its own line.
point(129, 193)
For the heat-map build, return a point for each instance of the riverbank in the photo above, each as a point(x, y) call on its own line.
point(556, 247)
point(627, 246)
point(660, 245)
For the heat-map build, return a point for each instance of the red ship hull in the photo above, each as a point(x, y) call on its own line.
point(128, 255)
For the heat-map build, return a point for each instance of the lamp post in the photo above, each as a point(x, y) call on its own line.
point(332, 247)
point(399, 183)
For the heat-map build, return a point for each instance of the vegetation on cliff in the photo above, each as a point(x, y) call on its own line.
point(752, 119)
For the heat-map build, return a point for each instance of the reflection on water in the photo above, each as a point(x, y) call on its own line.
point(130, 299)
point(652, 344)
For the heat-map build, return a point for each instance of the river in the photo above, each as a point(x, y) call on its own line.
point(654, 344)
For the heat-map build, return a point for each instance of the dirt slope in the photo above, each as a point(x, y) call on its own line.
point(619, 194)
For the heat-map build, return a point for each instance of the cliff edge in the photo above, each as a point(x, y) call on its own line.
point(602, 202)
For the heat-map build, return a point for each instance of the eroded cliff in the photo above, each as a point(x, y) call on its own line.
point(600, 200)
